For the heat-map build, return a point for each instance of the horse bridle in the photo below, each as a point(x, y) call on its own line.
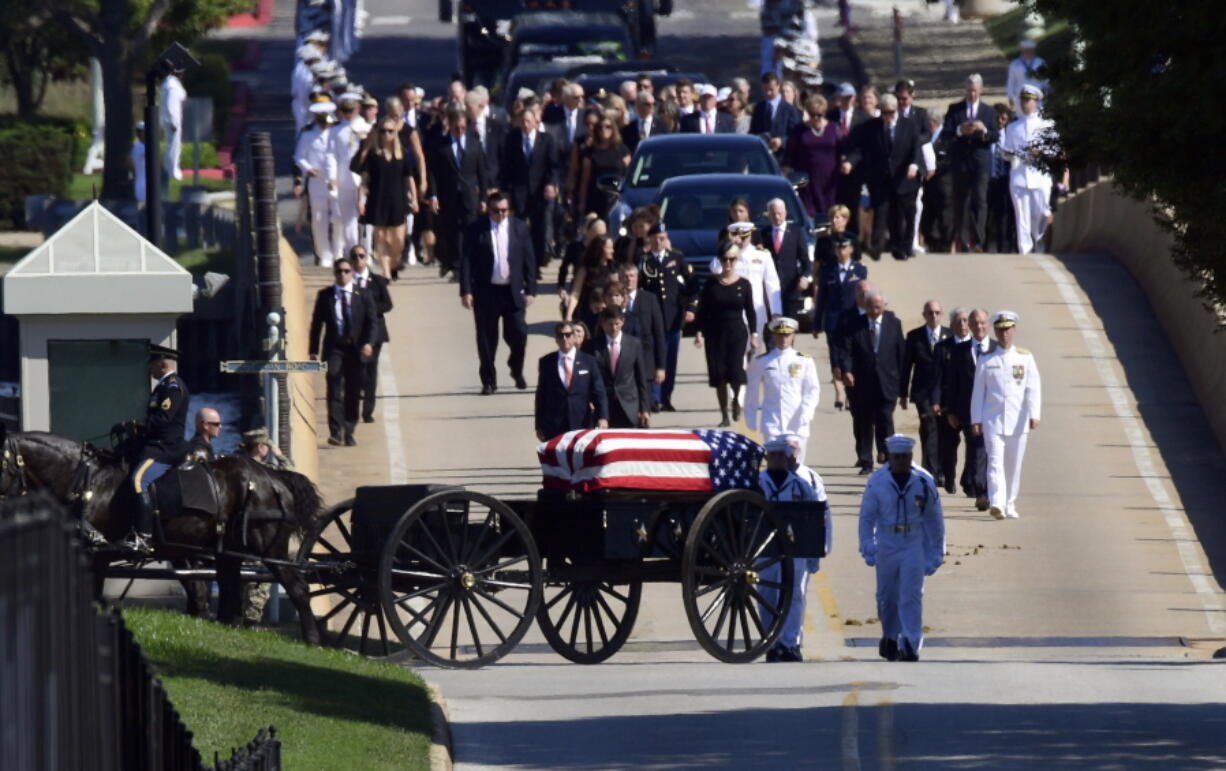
point(13, 466)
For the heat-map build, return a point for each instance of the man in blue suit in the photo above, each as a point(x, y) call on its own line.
point(570, 392)
point(773, 119)
point(970, 131)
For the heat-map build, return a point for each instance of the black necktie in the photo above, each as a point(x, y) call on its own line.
point(872, 335)
point(344, 313)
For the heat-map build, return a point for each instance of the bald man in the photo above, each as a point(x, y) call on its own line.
point(208, 426)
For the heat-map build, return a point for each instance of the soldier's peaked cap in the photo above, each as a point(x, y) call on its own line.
point(1004, 319)
point(159, 352)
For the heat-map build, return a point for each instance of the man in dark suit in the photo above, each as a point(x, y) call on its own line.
point(531, 168)
point(375, 286)
point(790, 251)
point(568, 127)
point(872, 364)
point(497, 282)
point(921, 377)
point(644, 123)
point(970, 131)
point(349, 322)
point(624, 369)
point(667, 275)
point(773, 119)
point(886, 153)
point(645, 321)
point(490, 129)
point(706, 119)
point(570, 392)
point(458, 179)
point(847, 115)
point(956, 387)
point(948, 437)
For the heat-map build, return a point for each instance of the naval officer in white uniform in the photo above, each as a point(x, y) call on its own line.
point(782, 388)
point(1029, 185)
point(311, 156)
point(1005, 406)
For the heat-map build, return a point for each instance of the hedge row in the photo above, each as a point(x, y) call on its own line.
point(38, 158)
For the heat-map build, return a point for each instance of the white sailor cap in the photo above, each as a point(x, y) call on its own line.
point(779, 444)
point(523, 93)
point(706, 89)
point(350, 96)
point(899, 444)
point(1004, 319)
point(1032, 91)
point(308, 53)
point(317, 36)
point(783, 325)
point(322, 68)
point(723, 94)
point(740, 228)
point(847, 89)
point(322, 108)
point(1027, 42)
point(421, 92)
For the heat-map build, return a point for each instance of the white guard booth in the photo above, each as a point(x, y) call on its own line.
point(89, 301)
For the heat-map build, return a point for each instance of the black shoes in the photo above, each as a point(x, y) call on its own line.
point(907, 653)
point(520, 383)
point(866, 470)
point(335, 441)
point(368, 418)
point(981, 502)
point(656, 406)
point(888, 649)
point(486, 390)
point(350, 441)
point(736, 410)
point(724, 422)
point(782, 653)
point(667, 407)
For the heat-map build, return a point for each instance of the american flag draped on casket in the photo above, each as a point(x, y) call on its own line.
point(677, 460)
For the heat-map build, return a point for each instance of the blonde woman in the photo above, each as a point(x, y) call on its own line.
point(389, 192)
point(410, 141)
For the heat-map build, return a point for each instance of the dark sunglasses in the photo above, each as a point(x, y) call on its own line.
point(726, 260)
point(500, 210)
point(565, 334)
point(212, 423)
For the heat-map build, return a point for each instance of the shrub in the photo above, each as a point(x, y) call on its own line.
point(212, 79)
point(38, 159)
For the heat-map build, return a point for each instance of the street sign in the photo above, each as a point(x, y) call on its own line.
point(260, 367)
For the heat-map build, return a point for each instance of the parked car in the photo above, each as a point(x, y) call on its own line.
point(546, 35)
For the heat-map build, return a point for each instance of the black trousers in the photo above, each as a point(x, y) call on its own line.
point(948, 439)
point(929, 432)
point(975, 467)
point(936, 224)
point(1002, 227)
point(618, 417)
point(370, 382)
point(491, 305)
point(344, 381)
point(970, 207)
point(542, 224)
point(871, 420)
point(894, 225)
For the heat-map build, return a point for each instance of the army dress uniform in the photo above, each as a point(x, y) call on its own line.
point(902, 535)
point(671, 279)
point(1005, 398)
point(782, 391)
point(162, 444)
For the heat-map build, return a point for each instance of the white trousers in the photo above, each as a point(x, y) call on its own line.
point(1005, 455)
point(410, 255)
point(321, 220)
point(794, 623)
point(174, 151)
point(1032, 207)
point(919, 212)
point(346, 223)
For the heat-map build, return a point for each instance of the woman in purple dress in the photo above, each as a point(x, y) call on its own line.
point(813, 148)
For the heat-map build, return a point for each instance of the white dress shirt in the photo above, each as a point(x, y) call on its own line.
point(501, 274)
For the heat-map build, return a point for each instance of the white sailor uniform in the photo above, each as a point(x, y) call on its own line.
point(782, 385)
point(1029, 186)
point(343, 145)
point(1006, 396)
point(312, 153)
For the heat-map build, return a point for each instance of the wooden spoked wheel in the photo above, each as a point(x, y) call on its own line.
point(736, 576)
point(460, 579)
point(588, 621)
point(344, 588)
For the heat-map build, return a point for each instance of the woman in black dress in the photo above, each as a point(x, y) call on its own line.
point(389, 192)
point(725, 318)
point(594, 273)
point(608, 157)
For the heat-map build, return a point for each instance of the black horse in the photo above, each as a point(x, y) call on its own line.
point(257, 510)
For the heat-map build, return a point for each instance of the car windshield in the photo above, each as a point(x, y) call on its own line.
point(704, 209)
point(651, 167)
point(542, 51)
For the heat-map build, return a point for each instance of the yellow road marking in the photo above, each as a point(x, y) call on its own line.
point(849, 729)
point(885, 734)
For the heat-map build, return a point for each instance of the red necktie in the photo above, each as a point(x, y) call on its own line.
point(569, 373)
point(778, 239)
point(613, 355)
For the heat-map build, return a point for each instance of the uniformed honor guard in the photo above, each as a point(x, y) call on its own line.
point(667, 275)
point(784, 479)
point(902, 534)
point(311, 157)
point(161, 439)
point(1029, 185)
point(1005, 407)
point(782, 388)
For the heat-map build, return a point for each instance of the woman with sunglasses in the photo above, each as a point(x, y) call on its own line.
point(609, 156)
point(726, 320)
point(389, 192)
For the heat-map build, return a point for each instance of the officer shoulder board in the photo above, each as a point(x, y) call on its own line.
point(764, 355)
point(1023, 351)
point(802, 353)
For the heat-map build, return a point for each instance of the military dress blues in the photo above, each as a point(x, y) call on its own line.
point(162, 444)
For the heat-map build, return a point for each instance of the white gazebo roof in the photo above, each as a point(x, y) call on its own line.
point(96, 264)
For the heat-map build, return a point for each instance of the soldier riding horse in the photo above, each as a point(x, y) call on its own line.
point(226, 509)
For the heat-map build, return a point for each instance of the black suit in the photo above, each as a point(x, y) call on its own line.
point(378, 291)
point(494, 302)
point(948, 437)
point(565, 144)
point(560, 409)
point(779, 126)
point(883, 163)
point(970, 159)
point(629, 388)
point(524, 179)
point(957, 381)
point(458, 188)
point(342, 351)
point(878, 381)
point(921, 377)
point(848, 193)
point(692, 123)
point(494, 145)
point(792, 263)
point(632, 132)
point(645, 321)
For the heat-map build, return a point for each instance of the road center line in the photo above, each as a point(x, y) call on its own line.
point(849, 729)
point(389, 397)
point(1147, 467)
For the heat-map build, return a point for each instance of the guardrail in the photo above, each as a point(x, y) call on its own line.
point(75, 688)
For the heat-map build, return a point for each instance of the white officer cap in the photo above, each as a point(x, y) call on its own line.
point(350, 96)
point(741, 228)
point(706, 89)
point(322, 67)
point(524, 93)
point(899, 444)
point(723, 94)
point(1032, 91)
point(317, 36)
point(779, 444)
point(1027, 42)
point(847, 89)
point(323, 108)
point(1004, 319)
point(308, 53)
point(783, 325)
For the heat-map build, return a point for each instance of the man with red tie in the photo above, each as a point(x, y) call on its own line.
point(623, 366)
point(570, 392)
point(790, 251)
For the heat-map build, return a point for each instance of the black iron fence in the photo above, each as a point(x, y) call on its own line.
point(76, 691)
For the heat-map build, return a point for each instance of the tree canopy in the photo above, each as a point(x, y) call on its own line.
point(1140, 98)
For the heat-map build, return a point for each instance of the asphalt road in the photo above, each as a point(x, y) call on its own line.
point(1078, 635)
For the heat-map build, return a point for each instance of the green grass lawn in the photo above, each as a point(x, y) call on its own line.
point(83, 186)
point(332, 710)
point(11, 254)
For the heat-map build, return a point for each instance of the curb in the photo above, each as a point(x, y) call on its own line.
point(442, 755)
